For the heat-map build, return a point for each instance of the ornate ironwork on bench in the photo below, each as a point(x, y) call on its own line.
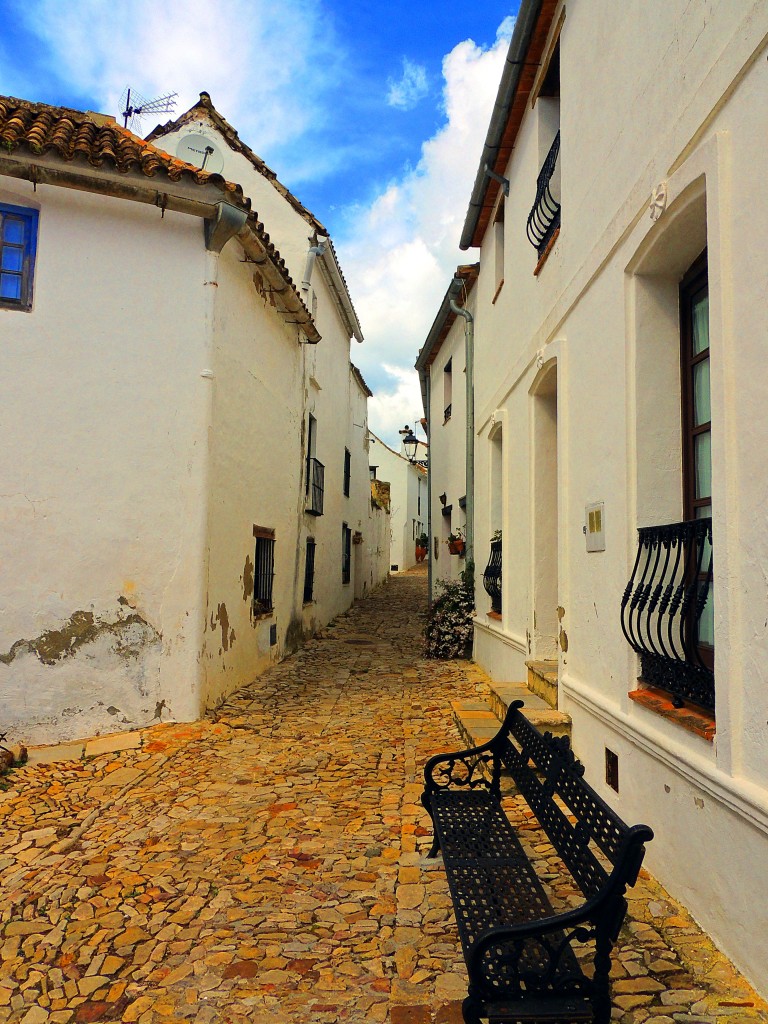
point(492, 576)
point(316, 487)
point(544, 218)
point(523, 954)
point(661, 611)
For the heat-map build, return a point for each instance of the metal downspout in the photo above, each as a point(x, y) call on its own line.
point(469, 349)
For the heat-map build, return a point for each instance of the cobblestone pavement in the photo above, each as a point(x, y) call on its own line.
point(269, 866)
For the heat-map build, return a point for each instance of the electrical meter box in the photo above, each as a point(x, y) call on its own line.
point(594, 526)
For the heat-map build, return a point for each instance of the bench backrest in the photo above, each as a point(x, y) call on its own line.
point(576, 820)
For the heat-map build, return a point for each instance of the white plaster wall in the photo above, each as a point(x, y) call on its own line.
point(105, 443)
point(326, 382)
point(685, 105)
point(447, 452)
point(255, 479)
point(403, 478)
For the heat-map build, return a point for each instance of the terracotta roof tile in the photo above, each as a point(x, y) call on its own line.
point(73, 135)
point(95, 139)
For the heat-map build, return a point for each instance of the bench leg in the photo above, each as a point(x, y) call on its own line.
point(470, 1011)
point(601, 980)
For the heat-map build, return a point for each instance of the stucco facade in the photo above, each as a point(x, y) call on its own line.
point(578, 408)
point(408, 501)
point(155, 493)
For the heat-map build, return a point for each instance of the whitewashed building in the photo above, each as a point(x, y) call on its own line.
point(408, 483)
point(442, 365)
point(158, 485)
point(621, 425)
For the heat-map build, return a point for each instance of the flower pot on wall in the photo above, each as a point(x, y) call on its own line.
point(456, 547)
point(421, 553)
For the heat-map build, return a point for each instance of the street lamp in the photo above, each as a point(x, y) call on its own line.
point(410, 443)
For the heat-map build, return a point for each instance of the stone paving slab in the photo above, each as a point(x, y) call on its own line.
point(268, 864)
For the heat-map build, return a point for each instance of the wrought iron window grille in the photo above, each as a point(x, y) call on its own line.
point(263, 574)
point(346, 554)
point(309, 571)
point(316, 487)
point(544, 218)
point(447, 413)
point(492, 577)
point(662, 606)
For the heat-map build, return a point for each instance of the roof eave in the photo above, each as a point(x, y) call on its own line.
point(525, 24)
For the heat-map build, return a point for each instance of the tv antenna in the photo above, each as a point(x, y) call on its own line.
point(133, 106)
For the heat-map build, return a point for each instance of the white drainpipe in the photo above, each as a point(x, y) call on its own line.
point(469, 338)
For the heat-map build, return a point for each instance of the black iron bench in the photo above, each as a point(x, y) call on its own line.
point(519, 950)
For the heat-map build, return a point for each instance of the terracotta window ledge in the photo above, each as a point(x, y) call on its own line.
point(545, 255)
point(689, 717)
point(495, 615)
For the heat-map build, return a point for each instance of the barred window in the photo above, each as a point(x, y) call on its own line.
point(347, 470)
point(264, 571)
point(309, 571)
point(346, 553)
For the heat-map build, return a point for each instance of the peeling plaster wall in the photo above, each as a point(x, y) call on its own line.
point(685, 107)
point(328, 393)
point(101, 481)
point(255, 478)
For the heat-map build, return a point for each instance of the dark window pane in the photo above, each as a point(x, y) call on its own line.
point(10, 286)
point(12, 258)
point(701, 404)
point(700, 316)
point(13, 230)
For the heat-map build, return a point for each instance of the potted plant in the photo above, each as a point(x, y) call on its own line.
point(456, 541)
point(422, 546)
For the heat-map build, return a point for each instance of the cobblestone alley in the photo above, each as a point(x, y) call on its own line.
point(269, 865)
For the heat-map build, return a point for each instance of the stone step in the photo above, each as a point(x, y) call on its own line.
point(536, 710)
point(542, 680)
point(478, 721)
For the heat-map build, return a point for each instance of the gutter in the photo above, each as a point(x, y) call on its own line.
point(525, 24)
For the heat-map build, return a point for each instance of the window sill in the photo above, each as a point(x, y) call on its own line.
point(693, 719)
point(256, 616)
point(496, 616)
point(545, 255)
point(497, 293)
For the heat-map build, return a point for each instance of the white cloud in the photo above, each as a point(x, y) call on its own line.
point(400, 253)
point(266, 66)
point(389, 412)
point(412, 86)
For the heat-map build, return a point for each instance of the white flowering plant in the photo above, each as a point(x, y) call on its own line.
point(448, 631)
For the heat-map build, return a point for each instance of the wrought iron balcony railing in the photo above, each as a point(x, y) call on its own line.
point(492, 576)
point(544, 218)
point(316, 488)
point(666, 611)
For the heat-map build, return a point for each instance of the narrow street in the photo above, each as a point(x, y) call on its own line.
point(268, 864)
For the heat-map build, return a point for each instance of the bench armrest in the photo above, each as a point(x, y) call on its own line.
point(461, 768)
point(584, 923)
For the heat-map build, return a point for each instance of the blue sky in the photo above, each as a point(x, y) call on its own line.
point(374, 115)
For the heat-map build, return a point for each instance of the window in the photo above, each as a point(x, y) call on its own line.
point(447, 389)
point(697, 428)
point(544, 218)
point(264, 570)
point(18, 243)
point(347, 470)
point(309, 571)
point(346, 553)
point(311, 445)
point(372, 470)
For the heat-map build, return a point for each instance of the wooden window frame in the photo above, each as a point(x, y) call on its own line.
point(693, 284)
point(29, 217)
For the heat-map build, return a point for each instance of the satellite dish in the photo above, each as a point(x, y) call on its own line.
point(133, 106)
point(200, 151)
